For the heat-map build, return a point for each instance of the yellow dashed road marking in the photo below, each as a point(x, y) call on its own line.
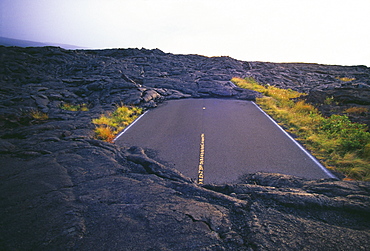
point(201, 160)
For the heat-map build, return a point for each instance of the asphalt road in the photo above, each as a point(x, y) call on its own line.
point(219, 141)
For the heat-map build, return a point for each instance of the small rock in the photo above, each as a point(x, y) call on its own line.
point(52, 139)
point(41, 100)
point(150, 95)
point(66, 133)
point(6, 147)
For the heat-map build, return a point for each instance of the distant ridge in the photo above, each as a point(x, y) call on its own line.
point(26, 43)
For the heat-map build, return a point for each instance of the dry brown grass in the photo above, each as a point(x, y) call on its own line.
point(38, 115)
point(356, 110)
point(345, 79)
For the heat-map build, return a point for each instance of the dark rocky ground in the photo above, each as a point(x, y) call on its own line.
point(61, 189)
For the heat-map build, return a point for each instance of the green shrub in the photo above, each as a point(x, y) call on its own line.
point(352, 136)
point(352, 140)
point(334, 124)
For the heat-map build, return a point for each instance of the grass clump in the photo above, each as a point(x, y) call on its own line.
point(345, 79)
point(38, 115)
point(110, 124)
point(329, 100)
point(73, 107)
point(356, 110)
point(339, 143)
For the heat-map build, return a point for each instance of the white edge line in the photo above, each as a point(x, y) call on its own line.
point(233, 85)
point(136, 120)
point(299, 145)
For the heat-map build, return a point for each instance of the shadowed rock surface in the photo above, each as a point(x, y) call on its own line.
point(61, 189)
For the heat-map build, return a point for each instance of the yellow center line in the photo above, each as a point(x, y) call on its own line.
point(201, 161)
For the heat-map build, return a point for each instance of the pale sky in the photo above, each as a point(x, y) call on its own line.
point(312, 31)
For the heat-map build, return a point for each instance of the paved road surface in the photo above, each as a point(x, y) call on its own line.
point(219, 138)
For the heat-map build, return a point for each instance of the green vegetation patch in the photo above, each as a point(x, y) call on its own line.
point(73, 107)
point(335, 140)
point(110, 124)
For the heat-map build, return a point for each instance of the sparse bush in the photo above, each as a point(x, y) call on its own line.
point(111, 123)
point(335, 140)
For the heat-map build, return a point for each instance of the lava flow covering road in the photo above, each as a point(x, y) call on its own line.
point(219, 141)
